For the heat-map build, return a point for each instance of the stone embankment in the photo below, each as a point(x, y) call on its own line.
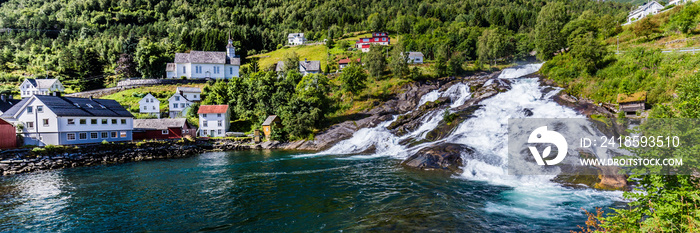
point(56, 157)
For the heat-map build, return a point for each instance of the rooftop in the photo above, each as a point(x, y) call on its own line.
point(72, 106)
point(189, 89)
point(159, 124)
point(270, 119)
point(212, 109)
point(42, 83)
point(636, 97)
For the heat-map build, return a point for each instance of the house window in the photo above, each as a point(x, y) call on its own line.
point(82, 136)
point(154, 107)
point(177, 98)
point(46, 122)
point(39, 108)
point(230, 69)
point(182, 105)
point(204, 115)
point(123, 121)
point(70, 136)
point(184, 69)
point(122, 134)
point(218, 115)
point(204, 132)
point(83, 121)
point(104, 121)
point(205, 124)
point(384, 39)
point(164, 132)
point(145, 108)
point(30, 109)
point(30, 125)
point(93, 135)
point(174, 105)
point(218, 132)
point(71, 121)
point(114, 134)
point(195, 96)
point(105, 134)
point(220, 123)
point(114, 121)
point(93, 121)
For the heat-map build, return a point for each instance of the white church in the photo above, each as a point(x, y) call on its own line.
point(205, 64)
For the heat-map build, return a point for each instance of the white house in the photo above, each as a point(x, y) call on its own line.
point(679, 2)
point(213, 120)
point(205, 64)
point(54, 120)
point(296, 39)
point(149, 105)
point(32, 86)
point(345, 62)
point(305, 67)
point(190, 93)
point(649, 8)
point(415, 57)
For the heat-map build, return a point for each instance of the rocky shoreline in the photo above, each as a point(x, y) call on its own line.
point(27, 160)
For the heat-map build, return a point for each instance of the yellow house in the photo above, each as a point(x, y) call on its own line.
point(267, 125)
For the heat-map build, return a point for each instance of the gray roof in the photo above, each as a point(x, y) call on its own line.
point(308, 65)
point(10, 112)
point(7, 104)
point(182, 58)
point(42, 83)
point(280, 66)
point(311, 65)
point(269, 120)
point(415, 54)
point(206, 57)
point(189, 89)
point(72, 106)
point(170, 67)
point(159, 124)
point(295, 35)
point(233, 61)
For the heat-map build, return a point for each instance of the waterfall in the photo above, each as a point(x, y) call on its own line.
point(487, 133)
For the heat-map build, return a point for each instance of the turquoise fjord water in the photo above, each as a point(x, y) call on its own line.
point(273, 191)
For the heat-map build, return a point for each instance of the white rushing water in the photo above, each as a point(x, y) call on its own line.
point(533, 196)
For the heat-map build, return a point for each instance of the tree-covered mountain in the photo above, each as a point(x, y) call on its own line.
point(86, 41)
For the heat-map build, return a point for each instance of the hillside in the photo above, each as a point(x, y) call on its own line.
point(84, 42)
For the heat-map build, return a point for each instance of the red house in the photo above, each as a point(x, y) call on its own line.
point(8, 135)
point(381, 38)
point(345, 62)
point(163, 129)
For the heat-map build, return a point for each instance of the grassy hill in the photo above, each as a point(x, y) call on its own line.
point(130, 98)
point(317, 52)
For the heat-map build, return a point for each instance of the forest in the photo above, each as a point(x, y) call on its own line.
point(90, 44)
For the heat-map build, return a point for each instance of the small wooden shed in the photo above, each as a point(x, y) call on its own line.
point(8, 135)
point(632, 103)
point(269, 122)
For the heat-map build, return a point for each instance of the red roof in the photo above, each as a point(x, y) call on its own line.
point(212, 109)
point(347, 61)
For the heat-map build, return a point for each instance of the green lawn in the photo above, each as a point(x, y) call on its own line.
point(130, 98)
point(309, 52)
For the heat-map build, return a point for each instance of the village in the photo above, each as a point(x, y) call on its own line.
point(44, 115)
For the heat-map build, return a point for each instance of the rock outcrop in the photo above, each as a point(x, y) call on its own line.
point(444, 157)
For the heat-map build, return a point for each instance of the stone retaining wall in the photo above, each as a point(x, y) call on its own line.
point(30, 160)
point(132, 83)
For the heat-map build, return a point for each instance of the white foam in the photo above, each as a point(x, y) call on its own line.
point(520, 71)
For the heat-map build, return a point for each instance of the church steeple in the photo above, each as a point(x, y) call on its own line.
point(230, 50)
